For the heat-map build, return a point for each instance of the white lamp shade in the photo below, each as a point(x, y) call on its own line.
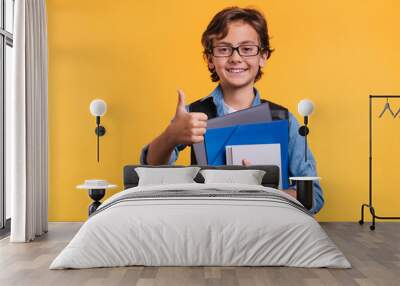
point(305, 107)
point(98, 107)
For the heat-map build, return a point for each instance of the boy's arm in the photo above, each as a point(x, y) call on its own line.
point(160, 150)
point(185, 129)
point(172, 159)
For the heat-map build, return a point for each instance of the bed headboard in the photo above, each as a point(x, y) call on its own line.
point(270, 179)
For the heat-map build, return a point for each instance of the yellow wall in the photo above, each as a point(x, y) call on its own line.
point(134, 54)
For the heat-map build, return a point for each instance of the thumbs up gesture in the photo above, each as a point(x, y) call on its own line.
point(186, 127)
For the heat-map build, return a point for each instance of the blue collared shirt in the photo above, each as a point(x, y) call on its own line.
point(298, 167)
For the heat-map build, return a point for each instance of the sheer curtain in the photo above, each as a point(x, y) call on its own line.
point(26, 143)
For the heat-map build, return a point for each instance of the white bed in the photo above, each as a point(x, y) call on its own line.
point(249, 226)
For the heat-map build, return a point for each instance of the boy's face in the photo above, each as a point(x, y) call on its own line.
point(238, 71)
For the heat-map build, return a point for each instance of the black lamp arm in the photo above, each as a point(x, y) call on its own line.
point(100, 131)
point(303, 131)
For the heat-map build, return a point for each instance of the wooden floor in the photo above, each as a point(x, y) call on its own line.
point(375, 256)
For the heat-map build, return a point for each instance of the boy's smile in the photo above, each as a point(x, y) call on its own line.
point(238, 71)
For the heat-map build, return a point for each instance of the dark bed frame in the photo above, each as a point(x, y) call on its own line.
point(270, 179)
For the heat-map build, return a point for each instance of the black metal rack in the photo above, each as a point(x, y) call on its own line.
point(370, 206)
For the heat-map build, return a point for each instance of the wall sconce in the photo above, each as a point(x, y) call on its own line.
point(304, 185)
point(98, 108)
point(305, 108)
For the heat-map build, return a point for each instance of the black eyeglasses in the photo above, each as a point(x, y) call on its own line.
point(243, 50)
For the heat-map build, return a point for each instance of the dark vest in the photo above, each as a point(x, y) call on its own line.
point(208, 107)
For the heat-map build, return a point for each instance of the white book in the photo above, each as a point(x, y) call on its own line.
point(256, 154)
point(228, 150)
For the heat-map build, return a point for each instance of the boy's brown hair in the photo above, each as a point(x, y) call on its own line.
point(218, 29)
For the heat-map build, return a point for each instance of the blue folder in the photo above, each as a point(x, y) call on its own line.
point(273, 132)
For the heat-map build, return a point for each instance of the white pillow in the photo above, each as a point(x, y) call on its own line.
point(163, 176)
point(249, 177)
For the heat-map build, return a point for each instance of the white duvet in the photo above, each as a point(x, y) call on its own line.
point(192, 231)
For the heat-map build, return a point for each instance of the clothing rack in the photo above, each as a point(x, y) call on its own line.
point(370, 205)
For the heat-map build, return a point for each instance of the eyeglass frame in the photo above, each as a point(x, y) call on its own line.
point(259, 49)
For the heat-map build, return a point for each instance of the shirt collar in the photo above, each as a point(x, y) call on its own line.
point(218, 98)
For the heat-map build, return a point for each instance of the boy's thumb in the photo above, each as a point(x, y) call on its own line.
point(181, 102)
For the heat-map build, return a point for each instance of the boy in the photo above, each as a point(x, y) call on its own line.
point(236, 47)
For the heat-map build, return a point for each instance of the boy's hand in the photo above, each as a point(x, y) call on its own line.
point(186, 127)
point(246, 162)
point(291, 192)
